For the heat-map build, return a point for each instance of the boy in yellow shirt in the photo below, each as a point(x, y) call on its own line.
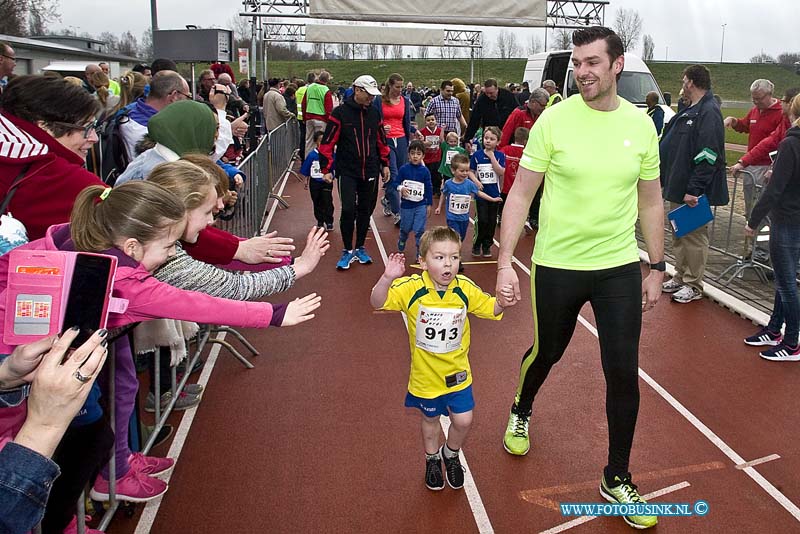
point(436, 304)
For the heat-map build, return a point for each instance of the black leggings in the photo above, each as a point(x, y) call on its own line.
point(616, 298)
point(358, 202)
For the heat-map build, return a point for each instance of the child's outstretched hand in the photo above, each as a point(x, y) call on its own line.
point(317, 245)
point(497, 199)
point(506, 296)
point(299, 310)
point(396, 266)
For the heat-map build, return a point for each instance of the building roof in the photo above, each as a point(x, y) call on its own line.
point(65, 38)
point(37, 44)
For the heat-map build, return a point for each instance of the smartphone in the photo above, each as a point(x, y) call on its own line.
point(88, 296)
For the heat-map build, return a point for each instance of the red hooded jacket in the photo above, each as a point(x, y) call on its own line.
point(759, 124)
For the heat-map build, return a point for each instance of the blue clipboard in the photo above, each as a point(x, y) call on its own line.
point(685, 220)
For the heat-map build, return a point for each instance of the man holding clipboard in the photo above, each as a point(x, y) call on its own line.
point(693, 164)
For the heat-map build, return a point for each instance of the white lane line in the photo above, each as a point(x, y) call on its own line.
point(586, 518)
point(758, 461)
point(470, 488)
point(150, 510)
point(765, 484)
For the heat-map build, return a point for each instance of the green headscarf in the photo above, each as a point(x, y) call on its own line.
point(183, 127)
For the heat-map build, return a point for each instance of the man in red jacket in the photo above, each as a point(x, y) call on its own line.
point(524, 116)
point(759, 122)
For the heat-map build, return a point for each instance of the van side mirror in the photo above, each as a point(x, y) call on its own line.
point(668, 98)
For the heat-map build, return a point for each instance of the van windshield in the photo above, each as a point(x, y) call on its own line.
point(632, 86)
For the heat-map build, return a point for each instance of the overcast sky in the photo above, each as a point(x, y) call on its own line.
point(689, 30)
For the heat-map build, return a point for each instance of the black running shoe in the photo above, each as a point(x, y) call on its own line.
point(455, 471)
point(434, 479)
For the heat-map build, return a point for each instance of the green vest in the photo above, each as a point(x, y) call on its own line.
point(555, 98)
point(301, 91)
point(113, 87)
point(315, 99)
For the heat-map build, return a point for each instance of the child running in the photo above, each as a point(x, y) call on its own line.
point(488, 166)
point(440, 383)
point(457, 197)
point(449, 149)
point(432, 137)
point(321, 189)
point(413, 182)
point(513, 153)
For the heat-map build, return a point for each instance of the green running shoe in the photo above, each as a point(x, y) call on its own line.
point(625, 493)
point(516, 440)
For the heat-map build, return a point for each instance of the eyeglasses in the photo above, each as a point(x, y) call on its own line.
point(12, 58)
point(220, 91)
point(87, 128)
point(185, 95)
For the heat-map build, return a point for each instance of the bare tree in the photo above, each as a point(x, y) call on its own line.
point(648, 48)
point(18, 17)
point(628, 25)
point(146, 48)
point(762, 58)
point(318, 51)
point(507, 44)
point(385, 50)
point(344, 50)
point(372, 51)
point(562, 40)
point(535, 44)
point(111, 41)
point(788, 58)
point(397, 51)
point(128, 45)
point(422, 52)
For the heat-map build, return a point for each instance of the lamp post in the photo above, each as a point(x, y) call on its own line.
point(722, 46)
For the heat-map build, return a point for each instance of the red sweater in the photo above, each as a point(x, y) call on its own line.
point(434, 153)
point(759, 124)
point(520, 117)
point(53, 178)
point(767, 145)
point(513, 155)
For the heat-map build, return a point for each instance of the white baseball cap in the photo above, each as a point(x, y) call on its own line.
point(367, 83)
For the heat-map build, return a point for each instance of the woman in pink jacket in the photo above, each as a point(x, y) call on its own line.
point(139, 223)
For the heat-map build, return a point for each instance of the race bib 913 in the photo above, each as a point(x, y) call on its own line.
point(439, 330)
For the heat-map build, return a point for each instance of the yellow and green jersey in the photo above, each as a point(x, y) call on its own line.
point(438, 330)
point(592, 162)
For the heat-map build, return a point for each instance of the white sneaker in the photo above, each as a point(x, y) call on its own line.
point(687, 294)
point(671, 286)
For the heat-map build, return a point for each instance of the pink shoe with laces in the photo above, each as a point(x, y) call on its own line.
point(150, 465)
point(133, 487)
point(72, 528)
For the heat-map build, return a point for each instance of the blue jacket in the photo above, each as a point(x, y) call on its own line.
point(25, 481)
point(407, 116)
point(417, 173)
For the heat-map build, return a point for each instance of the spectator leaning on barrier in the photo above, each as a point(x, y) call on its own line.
point(356, 133)
point(770, 143)
point(693, 164)
point(765, 115)
point(492, 108)
point(275, 111)
point(781, 199)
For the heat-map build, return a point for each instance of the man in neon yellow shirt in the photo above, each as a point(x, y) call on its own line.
point(598, 157)
point(300, 95)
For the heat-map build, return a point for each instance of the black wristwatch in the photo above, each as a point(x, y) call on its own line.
point(659, 266)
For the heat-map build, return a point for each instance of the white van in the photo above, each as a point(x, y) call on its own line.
point(634, 83)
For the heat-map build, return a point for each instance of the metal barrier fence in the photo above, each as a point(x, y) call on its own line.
point(264, 167)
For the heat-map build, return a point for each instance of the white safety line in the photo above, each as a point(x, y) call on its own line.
point(766, 485)
point(586, 518)
point(470, 488)
point(150, 510)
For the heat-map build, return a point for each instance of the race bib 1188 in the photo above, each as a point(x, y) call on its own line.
point(459, 204)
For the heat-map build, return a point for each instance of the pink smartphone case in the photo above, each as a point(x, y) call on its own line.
point(36, 303)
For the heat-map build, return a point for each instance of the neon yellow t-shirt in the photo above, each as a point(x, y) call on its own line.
point(592, 162)
point(438, 330)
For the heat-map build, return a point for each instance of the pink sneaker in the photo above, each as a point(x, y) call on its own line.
point(72, 528)
point(133, 487)
point(150, 465)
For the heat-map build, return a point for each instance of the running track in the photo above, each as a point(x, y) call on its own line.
point(316, 439)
